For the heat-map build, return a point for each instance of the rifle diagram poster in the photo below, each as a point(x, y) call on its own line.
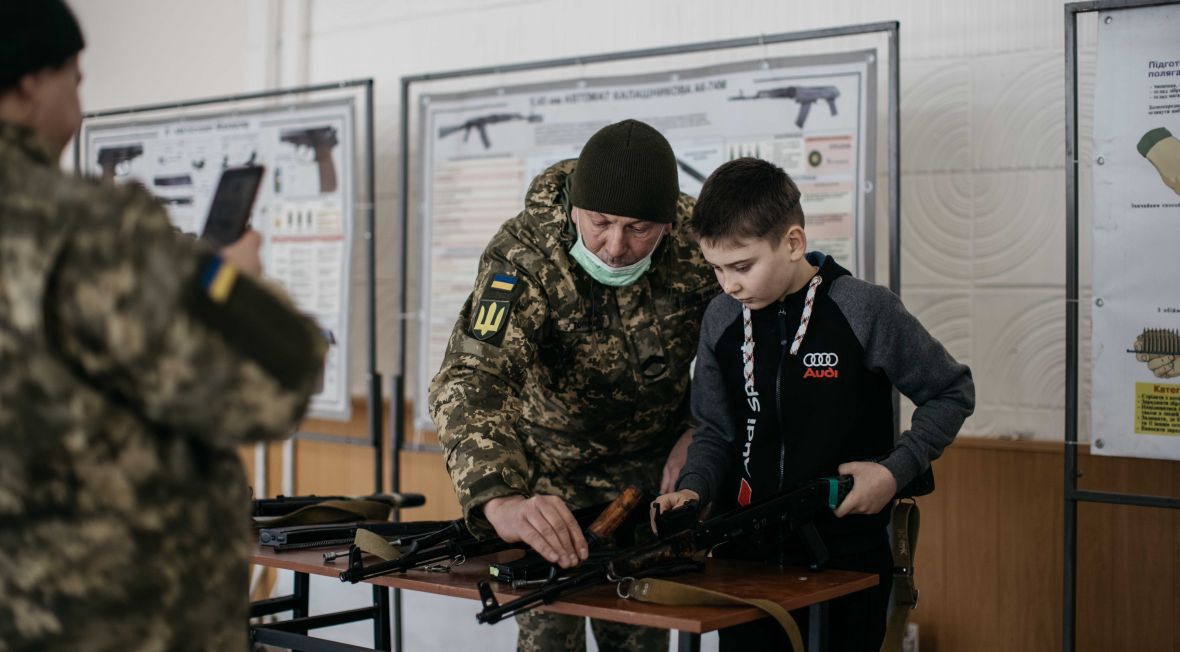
point(304, 208)
point(813, 116)
point(1135, 399)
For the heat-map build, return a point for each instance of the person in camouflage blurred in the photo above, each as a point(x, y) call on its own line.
point(566, 376)
point(135, 360)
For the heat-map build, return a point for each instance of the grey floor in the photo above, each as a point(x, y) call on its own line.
point(429, 622)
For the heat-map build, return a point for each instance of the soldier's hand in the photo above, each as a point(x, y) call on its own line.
point(873, 486)
point(671, 501)
point(542, 522)
point(675, 462)
point(243, 254)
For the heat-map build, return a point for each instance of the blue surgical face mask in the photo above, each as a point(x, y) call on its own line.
point(605, 274)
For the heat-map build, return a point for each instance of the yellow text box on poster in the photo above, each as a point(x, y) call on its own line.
point(1157, 409)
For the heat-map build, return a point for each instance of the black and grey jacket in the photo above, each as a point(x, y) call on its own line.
point(831, 403)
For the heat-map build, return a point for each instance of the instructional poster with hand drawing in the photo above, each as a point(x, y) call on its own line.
point(1135, 400)
point(304, 209)
point(813, 116)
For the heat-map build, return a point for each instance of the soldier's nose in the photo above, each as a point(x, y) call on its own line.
point(616, 248)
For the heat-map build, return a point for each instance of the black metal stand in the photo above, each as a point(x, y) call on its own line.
point(1072, 495)
point(293, 633)
point(817, 627)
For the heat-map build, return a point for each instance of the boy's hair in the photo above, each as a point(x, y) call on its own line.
point(747, 199)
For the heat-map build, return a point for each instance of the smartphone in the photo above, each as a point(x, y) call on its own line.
point(233, 201)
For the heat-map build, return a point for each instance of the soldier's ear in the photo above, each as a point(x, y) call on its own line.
point(19, 98)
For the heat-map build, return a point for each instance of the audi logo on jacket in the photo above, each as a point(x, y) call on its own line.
point(830, 403)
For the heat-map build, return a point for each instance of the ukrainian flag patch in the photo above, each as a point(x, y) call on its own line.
point(489, 318)
point(503, 282)
point(218, 279)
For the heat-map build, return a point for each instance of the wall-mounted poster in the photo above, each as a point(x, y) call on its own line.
point(1135, 400)
point(304, 209)
point(813, 116)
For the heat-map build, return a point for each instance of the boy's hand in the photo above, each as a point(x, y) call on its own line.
point(676, 459)
point(671, 501)
point(873, 486)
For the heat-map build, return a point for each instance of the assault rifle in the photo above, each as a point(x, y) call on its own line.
point(804, 95)
point(114, 160)
point(481, 123)
point(321, 140)
point(449, 545)
point(683, 541)
point(454, 543)
point(283, 505)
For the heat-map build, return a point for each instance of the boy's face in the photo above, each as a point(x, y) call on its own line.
point(756, 272)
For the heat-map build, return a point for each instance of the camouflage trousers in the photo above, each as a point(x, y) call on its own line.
point(545, 632)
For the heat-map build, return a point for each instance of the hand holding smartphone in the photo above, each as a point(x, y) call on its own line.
point(233, 201)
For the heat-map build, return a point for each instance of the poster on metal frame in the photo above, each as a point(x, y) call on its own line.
point(303, 211)
point(1135, 356)
point(814, 116)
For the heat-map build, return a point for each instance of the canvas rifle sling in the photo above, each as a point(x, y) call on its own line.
point(906, 520)
point(375, 544)
point(665, 592)
point(332, 511)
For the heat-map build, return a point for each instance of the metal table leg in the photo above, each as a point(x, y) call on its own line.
point(817, 627)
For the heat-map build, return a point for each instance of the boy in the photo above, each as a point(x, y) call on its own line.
point(794, 377)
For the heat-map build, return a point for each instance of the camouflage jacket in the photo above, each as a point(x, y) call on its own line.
point(134, 362)
point(582, 388)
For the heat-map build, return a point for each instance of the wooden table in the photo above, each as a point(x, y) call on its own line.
point(793, 588)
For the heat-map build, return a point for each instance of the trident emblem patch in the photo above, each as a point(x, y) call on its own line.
point(489, 318)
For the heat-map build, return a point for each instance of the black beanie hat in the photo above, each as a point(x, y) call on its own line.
point(34, 35)
point(627, 169)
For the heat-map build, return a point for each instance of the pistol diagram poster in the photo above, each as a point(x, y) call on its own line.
point(813, 116)
point(304, 209)
point(1135, 399)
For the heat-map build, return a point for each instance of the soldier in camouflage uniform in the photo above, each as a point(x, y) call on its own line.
point(135, 360)
point(566, 377)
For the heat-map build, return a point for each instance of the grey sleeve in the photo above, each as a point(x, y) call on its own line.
point(711, 451)
point(917, 364)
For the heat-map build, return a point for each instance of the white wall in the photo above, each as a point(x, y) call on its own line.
point(140, 52)
point(982, 119)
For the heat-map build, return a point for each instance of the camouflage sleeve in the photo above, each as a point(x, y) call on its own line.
point(159, 322)
point(475, 398)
